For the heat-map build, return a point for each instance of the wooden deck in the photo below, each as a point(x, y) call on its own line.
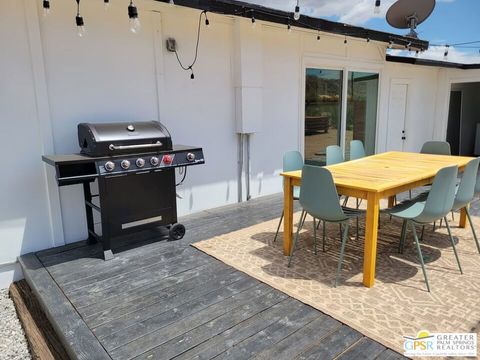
point(163, 300)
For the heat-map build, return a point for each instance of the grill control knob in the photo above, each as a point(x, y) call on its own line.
point(125, 164)
point(154, 161)
point(191, 157)
point(109, 166)
point(140, 162)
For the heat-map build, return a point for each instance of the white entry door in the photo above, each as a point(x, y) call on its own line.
point(397, 132)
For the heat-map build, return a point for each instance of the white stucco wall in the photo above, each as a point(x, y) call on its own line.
point(50, 80)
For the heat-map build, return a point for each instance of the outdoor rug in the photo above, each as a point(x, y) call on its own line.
point(398, 305)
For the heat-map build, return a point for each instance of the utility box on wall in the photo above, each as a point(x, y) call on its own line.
point(248, 109)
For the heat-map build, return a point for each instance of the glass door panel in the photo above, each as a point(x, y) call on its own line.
point(361, 110)
point(323, 108)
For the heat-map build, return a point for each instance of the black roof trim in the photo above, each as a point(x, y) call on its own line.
point(428, 62)
point(244, 9)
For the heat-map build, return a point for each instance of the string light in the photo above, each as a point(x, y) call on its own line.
point(368, 39)
point(376, 10)
point(253, 21)
point(345, 41)
point(133, 16)
point(416, 53)
point(207, 22)
point(171, 3)
point(106, 4)
point(318, 36)
point(79, 21)
point(296, 14)
point(190, 67)
point(289, 27)
point(46, 7)
point(390, 44)
point(445, 54)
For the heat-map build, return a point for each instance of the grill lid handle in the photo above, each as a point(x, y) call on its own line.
point(138, 146)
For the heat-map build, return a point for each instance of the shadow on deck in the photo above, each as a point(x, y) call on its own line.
point(163, 300)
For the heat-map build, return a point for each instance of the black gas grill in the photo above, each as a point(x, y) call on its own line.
point(134, 164)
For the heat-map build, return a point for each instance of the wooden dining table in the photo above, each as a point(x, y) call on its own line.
point(373, 178)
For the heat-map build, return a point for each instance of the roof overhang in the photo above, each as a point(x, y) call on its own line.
point(428, 62)
point(246, 10)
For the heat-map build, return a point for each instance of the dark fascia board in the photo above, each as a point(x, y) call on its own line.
point(246, 10)
point(428, 62)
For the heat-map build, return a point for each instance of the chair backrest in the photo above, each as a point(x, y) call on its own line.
point(441, 196)
point(292, 160)
point(436, 148)
point(466, 189)
point(334, 155)
point(357, 150)
point(318, 194)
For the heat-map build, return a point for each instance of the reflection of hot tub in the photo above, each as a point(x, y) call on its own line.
point(315, 124)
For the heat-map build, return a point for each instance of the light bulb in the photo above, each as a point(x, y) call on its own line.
point(253, 22)
point(80, 26)
point(135, 25)
point(296, 14)
point(416, 54)
point(171, 3)
point(318, 37)
point(376, 10)
point(106, 4)
point(46, 7)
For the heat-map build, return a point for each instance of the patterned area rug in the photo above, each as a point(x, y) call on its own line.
point(397, 305)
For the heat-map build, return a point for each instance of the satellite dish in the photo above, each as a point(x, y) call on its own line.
point(407, 14)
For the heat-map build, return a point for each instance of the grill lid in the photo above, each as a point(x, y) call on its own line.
point(123, 138)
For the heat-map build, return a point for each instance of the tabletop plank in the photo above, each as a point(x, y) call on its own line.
point(381, 172)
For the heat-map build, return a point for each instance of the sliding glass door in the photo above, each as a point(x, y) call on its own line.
point(361, 110)
point(331, 121)
point(323, 112)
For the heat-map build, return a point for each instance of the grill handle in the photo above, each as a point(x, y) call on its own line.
point(138, 146)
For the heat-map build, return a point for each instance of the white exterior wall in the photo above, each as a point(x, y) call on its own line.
point(50, 80)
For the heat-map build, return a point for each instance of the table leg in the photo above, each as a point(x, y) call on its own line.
point(463, 218)
point(371, 233)
point(288, 215)
point(391, 201)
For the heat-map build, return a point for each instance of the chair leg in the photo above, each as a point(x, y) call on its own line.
point(303, 216)
point(278, 228)
point(401, 245)
point(356, 238)
point(423, 231)
point(340, 226)
point(345, 202)
point(294, 244)
point(453, 216)
point(419, 251)
point(473, 229)
point(440, 226)
point(315, 236)
point(434, 224)
point(410, 194)
point(453, 245)
point(324, 235)
point(342, 252)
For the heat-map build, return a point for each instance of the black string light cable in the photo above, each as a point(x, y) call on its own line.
point(79, 21)
point(190, 67)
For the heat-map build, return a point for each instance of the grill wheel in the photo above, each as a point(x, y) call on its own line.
point(177, 232)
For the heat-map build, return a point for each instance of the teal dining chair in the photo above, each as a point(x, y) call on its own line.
point(292, 161)
point(334, 155)
point(319, 198)
point(466, 193)
point(357, 150)
point(436, 206)
point(436, 148)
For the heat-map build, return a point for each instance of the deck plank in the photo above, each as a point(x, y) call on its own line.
point(179, 320)
point(364, 349)
point(332, 345)
point(301, 340)
point(202, 333)
point(165, 302)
